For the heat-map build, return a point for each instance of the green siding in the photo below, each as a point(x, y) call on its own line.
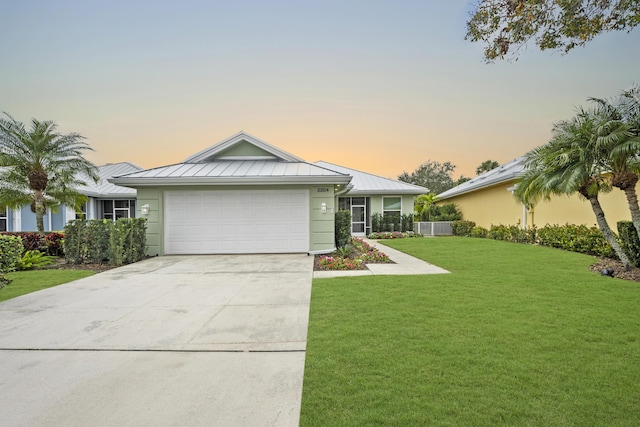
point(243, 149)
point(321, 225)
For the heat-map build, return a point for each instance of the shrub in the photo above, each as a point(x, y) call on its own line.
point(4, 281)
point(98, 241)
point(376, 222)
point(343, 228)
point(34, 259)
point(478, 231)
point(53, 242)
point(393, 235)
point(11, 249)
point(407, 222)
point(445, 212)
point(510, 233)
point(31, 240)
point(391, 222)
point(575, 238)
point(462, 228)
point(629, 241)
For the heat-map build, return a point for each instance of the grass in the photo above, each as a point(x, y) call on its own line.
point(515, 335)
point(25, 282)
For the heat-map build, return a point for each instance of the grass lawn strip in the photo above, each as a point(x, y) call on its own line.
point(25, 282)
point(516, 335)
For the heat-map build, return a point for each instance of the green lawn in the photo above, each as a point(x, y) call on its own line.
point(25, 282)
point(515, 335)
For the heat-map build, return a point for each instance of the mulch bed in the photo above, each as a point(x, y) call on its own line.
point(619, 271)
point(60, 264)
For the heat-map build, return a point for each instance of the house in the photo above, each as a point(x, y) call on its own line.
point(244, 195)
point(488, 200)
point(105, 201)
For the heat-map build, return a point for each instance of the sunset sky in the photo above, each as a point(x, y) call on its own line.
point(380, 86)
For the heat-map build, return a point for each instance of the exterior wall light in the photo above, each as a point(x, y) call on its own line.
point(323, 208)
point(144, 209)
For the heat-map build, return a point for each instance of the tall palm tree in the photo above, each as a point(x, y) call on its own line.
point(618, 142)
point(39, 166)
point(569, 164)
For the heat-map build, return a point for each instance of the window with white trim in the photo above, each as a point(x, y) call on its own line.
point(3, 218)
point(116, 209)
point(392, 205)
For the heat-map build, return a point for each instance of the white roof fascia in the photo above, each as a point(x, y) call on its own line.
point(378, 187)
point(507, 172)
point(211, 151)
point(246, 180)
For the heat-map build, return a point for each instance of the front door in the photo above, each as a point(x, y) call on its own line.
point(358, 216)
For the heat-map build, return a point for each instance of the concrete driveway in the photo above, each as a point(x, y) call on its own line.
point(171, 341)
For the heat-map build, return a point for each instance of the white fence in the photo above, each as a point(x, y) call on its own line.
point(440, 228)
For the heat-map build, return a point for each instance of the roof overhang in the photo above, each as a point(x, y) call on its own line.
point(247, 180)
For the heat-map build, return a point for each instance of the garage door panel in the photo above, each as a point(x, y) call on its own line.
point(248, 221)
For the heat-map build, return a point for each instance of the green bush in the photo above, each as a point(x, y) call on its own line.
point(4, 281)
point(376, 222)
point(462, 228)
point(343, 228)
point(629, 241)
point(11, 249)
point(407, 222)
point(510, 233)
point(34, 259)
point(575, 238)
point(478, 231)
point(445, 212)
point(99, 241)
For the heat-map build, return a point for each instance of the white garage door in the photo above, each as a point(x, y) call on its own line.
point(226, 222)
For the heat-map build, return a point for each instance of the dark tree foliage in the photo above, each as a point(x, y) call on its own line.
point(486, 166)
point(505, 26)
point(433, 175)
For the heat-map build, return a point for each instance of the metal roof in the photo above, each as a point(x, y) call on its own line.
point(507, 172)
point(234, 172)
point(103, 188)
point(365, 183)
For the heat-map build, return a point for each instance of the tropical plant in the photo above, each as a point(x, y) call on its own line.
point(34, 259)
point(618, 142)
point(41, 167)
point(423, 205)
point(570, 164)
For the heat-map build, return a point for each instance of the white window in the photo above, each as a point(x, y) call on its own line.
point(392, 205)
point(3, 218)
point(116, 209)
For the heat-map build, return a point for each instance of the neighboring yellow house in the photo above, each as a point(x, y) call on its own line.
point(488, 200)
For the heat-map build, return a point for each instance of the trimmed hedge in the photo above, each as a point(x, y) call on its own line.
point(462, 228)
point(100, 241)
point(569, 237)
point(11, 249)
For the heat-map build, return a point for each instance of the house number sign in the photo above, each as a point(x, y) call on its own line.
point(322, 189)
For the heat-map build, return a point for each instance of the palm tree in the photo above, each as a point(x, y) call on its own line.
point(39, 166)
point(618, 142)
point(424, 204)
point(570, 164)
point(486, 166)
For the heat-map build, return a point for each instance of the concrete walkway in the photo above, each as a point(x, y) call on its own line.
point(170, 341)
point(403, 264)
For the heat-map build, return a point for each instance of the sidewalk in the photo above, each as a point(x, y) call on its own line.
point(404, 264)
